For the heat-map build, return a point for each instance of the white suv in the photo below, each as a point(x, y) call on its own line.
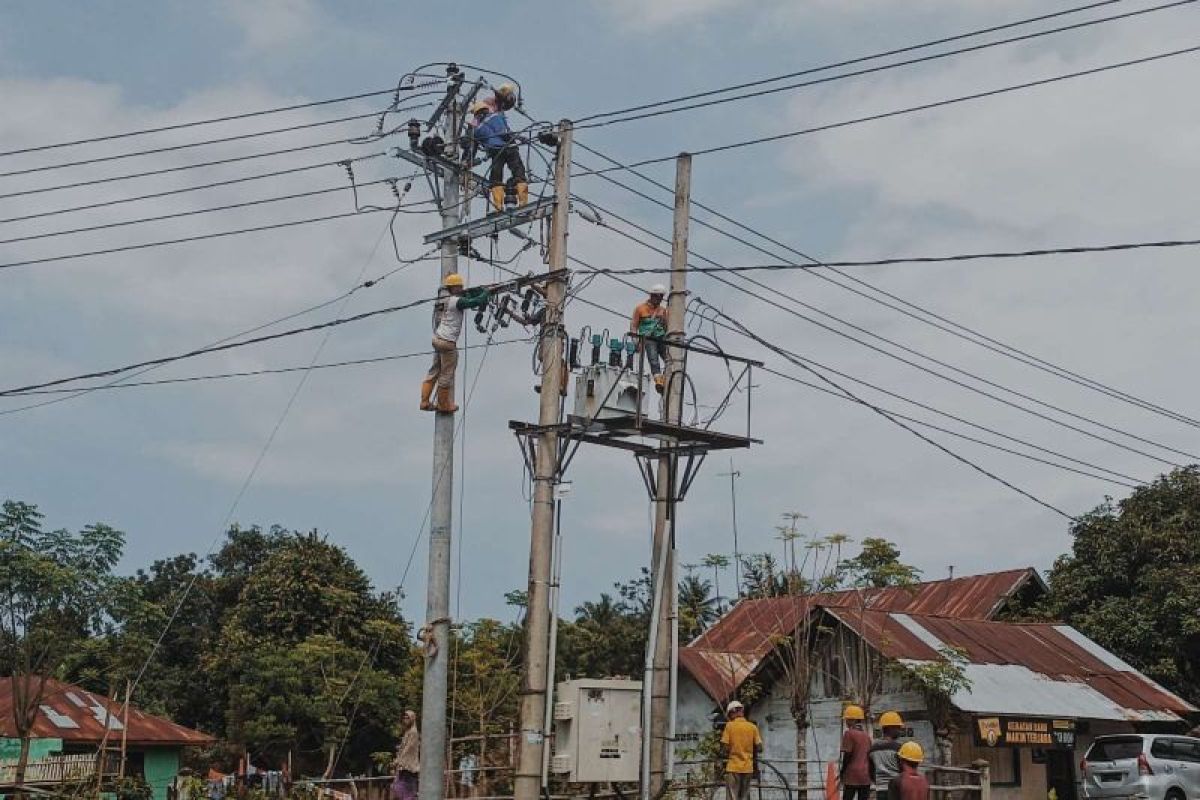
point(1142, 766)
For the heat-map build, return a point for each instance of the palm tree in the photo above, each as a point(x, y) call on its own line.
point(716, 562)
point(698, 607)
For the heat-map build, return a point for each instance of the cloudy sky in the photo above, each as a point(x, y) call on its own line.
point(1100, 159)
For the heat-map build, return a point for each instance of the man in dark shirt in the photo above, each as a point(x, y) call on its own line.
point(885, 764)
point(910, 784)
point(856, 762)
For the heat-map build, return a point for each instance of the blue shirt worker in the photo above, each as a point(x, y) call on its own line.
point(492, 134)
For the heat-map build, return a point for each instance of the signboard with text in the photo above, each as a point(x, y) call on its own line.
point(1058, 734)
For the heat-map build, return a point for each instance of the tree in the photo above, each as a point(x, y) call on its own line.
point(309, 654)
point(716, 562)
point(698, 607)
point(55, 587)
point(1132, 580)
point(878, 565)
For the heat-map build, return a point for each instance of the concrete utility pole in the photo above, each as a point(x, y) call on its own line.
point(536, 678)
point(663, 557)
point(437, 603)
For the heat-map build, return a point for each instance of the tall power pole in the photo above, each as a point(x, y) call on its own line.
point(663, 557)
point(437, 603)
point(536, 678)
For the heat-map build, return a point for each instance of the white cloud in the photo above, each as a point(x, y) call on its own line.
point(273, 24)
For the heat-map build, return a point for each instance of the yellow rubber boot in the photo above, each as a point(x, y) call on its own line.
point(522, 193)
point(497, 193)
point(445, 400)
point(426, 393)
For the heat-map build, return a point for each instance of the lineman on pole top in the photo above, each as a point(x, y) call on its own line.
point(650, 322)
point(489, 130)
point(447, 325)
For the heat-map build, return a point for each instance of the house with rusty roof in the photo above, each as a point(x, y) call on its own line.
point(1027, 698)
point(73, 723)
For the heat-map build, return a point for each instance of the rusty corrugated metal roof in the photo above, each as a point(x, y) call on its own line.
point(752, 628)
point(1021, 667)
point(76, 715)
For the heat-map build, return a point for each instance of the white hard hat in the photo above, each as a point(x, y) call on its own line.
point(734, 705)
point(658, 288)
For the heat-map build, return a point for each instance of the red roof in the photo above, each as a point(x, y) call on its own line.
point(732, 649)
point(73, 714)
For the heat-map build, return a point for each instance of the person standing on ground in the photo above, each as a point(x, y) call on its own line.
point(408, 758)
point(740, 743)
point(856, 761)
point(650, 322)
point(910, 784)
point(885, 764)
point(447, 326)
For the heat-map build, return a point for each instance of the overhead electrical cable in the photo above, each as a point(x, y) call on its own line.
point(199, 187)
point(878, 262)
point(905, 307)
point(219, 348)
point(928, 370)
point(196, 238)
point(902, 111)
point(195, 123)
point(210, 210)
point(356, 362)
point(882, 68)
point(895, 420)
point(184, 167)
point(1120, 476)
point(848, 62)
point(186, 146)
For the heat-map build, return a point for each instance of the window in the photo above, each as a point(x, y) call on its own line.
point(1185, 750)
point(1115, 748)
point(1161, 748)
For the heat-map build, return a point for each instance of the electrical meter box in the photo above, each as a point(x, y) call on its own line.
point(602, 391)
point(597, 730)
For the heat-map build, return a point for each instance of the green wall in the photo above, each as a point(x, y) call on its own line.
point(161, 767)
point(10, 749)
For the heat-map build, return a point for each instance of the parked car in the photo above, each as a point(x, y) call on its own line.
point(1143, 766)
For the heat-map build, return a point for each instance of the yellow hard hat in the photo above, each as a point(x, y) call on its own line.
point(478, 106)
point(911, 751)
point(453, 279)
point(853, 712)
point(890, 719)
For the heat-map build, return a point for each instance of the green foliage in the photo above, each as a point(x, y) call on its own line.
point(698, 607)
point(1132, 580)
point(939, 681)
point(55, 589)
point(877, 565)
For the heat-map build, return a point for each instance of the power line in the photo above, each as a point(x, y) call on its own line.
point(195, 123)
point(891, 418)
point(1004, 254)
point(186, 146)
point(194, 212)
point(1133, 481)
point(899, 112)
point(171, 192)
point(197, 238)
point(848, 62)
point(882, 68)
point(218, 348)
point(959, 434)
point(939, 322)
point(181, 168)
point(357, 362)
point(925, 369)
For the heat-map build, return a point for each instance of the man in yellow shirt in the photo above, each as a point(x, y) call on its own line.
point(741, 744)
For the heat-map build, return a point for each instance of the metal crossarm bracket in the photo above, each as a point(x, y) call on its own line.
point(494, 223)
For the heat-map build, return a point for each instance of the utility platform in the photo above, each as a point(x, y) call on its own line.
point(614, 402)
